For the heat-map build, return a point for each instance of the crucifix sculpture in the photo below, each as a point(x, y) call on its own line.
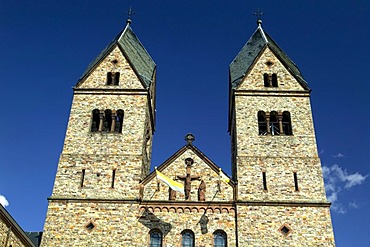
point(188, 178)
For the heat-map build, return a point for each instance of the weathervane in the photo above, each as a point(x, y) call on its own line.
point(129, 14)
point(258, 13)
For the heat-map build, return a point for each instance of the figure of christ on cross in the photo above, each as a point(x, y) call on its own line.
point(188, 178)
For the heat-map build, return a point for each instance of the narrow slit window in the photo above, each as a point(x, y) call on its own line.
point(113, 177)
point(109, 78)
point(266, 80)
point(262, 126)
point(287, 124)
point(264, 180)
point(95, 120)
point(274, 80)
point(274, 123)
point(107, 120)
point(115, 78)
point(119, 121)
point(296, 188)
point(82, 178)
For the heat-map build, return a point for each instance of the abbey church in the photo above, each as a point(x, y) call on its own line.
point(105, 195)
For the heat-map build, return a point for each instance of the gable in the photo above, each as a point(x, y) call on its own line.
point(114, 61)
point(252, 51)
point(269, 63)
point(133, 51)
point(175, 168)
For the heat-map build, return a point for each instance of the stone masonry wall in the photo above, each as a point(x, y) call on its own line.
point(301, 144)
point(124, 224)
point(259, 226)
point(280, 179)
point(80, 140)
point(98, 176)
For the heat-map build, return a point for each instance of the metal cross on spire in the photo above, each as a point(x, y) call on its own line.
point(129, 14)
point(258, 13)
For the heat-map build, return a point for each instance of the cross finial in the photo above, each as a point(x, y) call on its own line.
point(258, 13)
point(189, 138)
point(129, 14)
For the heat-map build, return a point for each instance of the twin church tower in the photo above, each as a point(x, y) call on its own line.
point(105, 195)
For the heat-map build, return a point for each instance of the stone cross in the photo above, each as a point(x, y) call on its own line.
point(258, 13)
point(130, 13)
point(188, 178)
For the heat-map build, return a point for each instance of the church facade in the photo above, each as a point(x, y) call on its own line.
point(105, 195)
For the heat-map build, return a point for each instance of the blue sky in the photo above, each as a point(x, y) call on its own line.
point(46, 45)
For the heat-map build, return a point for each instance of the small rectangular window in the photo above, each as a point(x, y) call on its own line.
point(295, 181)
point(82, 178)
point(113, 177)
point(264, 181)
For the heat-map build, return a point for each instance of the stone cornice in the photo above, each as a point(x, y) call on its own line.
point(283, 203)
point(190, 204)
point(275, 93)
point(110, 91)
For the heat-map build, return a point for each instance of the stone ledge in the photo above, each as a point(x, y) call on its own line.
point(282, 203)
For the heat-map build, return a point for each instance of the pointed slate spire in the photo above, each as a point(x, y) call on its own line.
point(135, 53)
point(256, 44)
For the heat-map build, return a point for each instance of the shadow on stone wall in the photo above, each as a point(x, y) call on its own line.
point(151, 221)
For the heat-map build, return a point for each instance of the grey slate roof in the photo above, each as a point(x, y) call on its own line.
point(35, 237)
point(134, 52)
point(257, 43)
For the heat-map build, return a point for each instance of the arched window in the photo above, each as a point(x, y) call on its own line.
point(155, 238)
point(266, 80)
point(262, 127)
point(187, 238)
point(119, 121)
point(287, 125)
point(274, 123)
point(107, 124)
point(219, 239)
point(95, 120)
point(274, 80)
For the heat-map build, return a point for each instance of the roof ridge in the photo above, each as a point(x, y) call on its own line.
point(124, 31)
point(263, 33)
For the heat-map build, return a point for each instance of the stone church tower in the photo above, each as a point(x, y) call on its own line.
point(280, 190)
point(107, 147)
point(105, 195)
